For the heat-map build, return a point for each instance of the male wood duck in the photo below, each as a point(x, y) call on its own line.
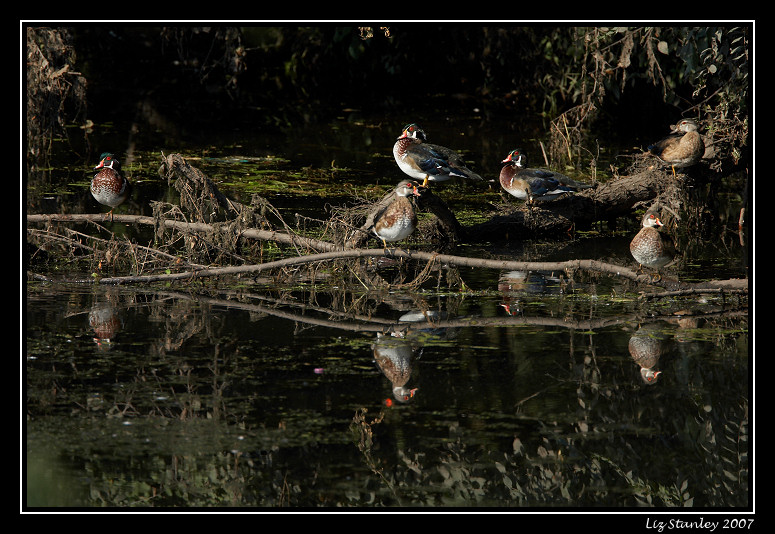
point(682, 148)
point(649, 247)
point(398, 219)
point(534, 184)
point(109, 186)
point(426, 161)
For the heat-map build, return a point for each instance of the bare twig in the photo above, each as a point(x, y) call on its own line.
point(253, 233)
point(460, 261)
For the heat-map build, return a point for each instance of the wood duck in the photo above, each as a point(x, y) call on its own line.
point(534, 184)
point(682, 148)
point(106, 322)
point(647, 345)
point(650, 247)
point(426, 161)
point(109, 186)
point(514, 286)
point(395, 357)
point(398, 219)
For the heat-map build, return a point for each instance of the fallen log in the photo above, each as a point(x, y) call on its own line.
point(608, 200)
point(578, 211)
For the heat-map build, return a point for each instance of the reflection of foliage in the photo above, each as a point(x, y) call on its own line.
point(190, 421)
point(592, 461)
point(580, 469)
point(647, 493)
point(362, 431)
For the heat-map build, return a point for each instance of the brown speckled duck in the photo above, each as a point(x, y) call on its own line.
point(398, 219)
point(395, 357)
point(649, 247)
point(683, 148)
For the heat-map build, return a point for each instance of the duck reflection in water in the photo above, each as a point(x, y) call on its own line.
point(105, 321)
point(646, 347)
point(515, 285)
point(395, 356)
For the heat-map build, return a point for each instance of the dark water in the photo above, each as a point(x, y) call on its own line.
point(514, 391)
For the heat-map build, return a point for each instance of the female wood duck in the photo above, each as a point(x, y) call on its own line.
point(649, 247)
point(647, 345)
point(398, 219)
point(426, 161)
point(395, 358)
point(534, 184)
point(109, 186)
point(682, 148)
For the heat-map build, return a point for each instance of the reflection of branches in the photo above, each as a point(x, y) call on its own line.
point(356, 323)
point(646, 491)
point(461, 261)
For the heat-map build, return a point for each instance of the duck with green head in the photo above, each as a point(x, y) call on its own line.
point(428, 162)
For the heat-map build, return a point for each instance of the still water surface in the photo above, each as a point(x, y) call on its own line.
point(517, 390)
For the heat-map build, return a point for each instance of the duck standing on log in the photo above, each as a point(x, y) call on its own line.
point(109, 186)
point(534, 184)
point(398, 219)
point(426, 161)
point(650, 247)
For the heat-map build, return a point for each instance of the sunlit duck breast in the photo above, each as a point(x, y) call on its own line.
point(109, 186)
point(398, 219)
point(682, 148)
point(428, 162)
point(534, 184)
point(649, 247)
